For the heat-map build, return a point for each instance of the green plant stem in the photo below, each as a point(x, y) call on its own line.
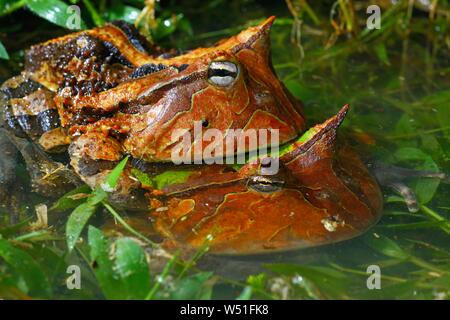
point(419, 133)
point(126, 225)
point(310, 12)
point(163, 275)
point(194, 259)
point(425, 265)
point(13, 7)
point(362, 273)
point(96, 17)
point(347, 16)
point(34, 234)
point(437, 217)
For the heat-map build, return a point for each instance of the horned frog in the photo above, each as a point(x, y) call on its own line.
point(100, 95)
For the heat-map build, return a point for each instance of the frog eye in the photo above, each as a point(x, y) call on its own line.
point(222, 73)
point(265, 184)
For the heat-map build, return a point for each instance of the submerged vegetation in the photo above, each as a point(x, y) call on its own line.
point(396, 80)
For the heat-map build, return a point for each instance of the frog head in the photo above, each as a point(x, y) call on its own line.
point(231, 85)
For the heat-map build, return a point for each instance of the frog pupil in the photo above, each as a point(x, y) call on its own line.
point(222, 73)
point(265, 184)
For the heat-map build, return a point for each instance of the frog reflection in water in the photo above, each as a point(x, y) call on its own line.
point(103, 94)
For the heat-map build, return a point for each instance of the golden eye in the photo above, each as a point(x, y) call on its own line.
point(223, 73)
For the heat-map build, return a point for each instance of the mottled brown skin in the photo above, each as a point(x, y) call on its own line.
point(112, 98)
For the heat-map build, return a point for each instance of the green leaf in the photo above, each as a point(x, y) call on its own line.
point(21, 262)
point(300, 91)
point(3, 52)
point(76, 222)
point(123, 12)
point(381, 53)
point(54, 11)
point(9, 6)
point(170, 177)
point(195, 287)
point(405, 126)
point(442, 114)
point(98, 20)
point(131, 266)
point(386, 246)
point(246, 294)
point(162, 180)
point(419, 225)
point(121, 270)
point(112, 286)
point(257, 281)
point(97, 196)
point(80, 216)
point(169, 24)
point(15, 228)
point(286, 148)
point(402, 290)
point(143, 178)
point(72, 199)
point(113, 178)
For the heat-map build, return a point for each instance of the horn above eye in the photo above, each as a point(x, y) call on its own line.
point(223, 73)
